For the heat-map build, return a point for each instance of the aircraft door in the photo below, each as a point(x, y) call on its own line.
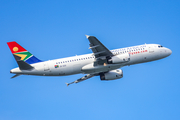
point(46, 66)
point(151, 49)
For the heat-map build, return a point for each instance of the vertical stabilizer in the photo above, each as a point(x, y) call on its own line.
point(21, 54)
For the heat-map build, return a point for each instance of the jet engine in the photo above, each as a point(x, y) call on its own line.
point(112, 75)
point(119, 58)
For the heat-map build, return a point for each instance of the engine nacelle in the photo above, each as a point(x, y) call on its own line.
point(119, 58)
point(112, 75)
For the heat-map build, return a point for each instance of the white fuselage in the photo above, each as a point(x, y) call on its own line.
point(84, 63)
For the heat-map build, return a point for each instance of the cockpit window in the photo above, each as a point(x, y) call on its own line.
point(160, 46)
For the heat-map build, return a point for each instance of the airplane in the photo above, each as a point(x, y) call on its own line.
point(102, 62)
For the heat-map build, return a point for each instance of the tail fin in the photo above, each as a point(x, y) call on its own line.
point(20, 53)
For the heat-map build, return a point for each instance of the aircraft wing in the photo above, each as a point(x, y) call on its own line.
point(101, 54)
point(98, 48)
point(81, 79)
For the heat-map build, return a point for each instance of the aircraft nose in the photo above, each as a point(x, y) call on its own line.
point(169, 52)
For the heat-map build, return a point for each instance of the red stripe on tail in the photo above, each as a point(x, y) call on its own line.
point(15, 47)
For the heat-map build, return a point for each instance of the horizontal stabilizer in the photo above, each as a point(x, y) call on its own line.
point(24, 66)
point(15, 76)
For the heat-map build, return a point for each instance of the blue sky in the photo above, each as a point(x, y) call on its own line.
point(56, 29)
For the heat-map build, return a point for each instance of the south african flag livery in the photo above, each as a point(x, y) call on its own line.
point(56, 66)
point(20, 53)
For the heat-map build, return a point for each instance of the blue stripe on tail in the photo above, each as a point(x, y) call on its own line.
point(32, 60)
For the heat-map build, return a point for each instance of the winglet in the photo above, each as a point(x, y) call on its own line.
point(87, 36)
point(67, 84)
